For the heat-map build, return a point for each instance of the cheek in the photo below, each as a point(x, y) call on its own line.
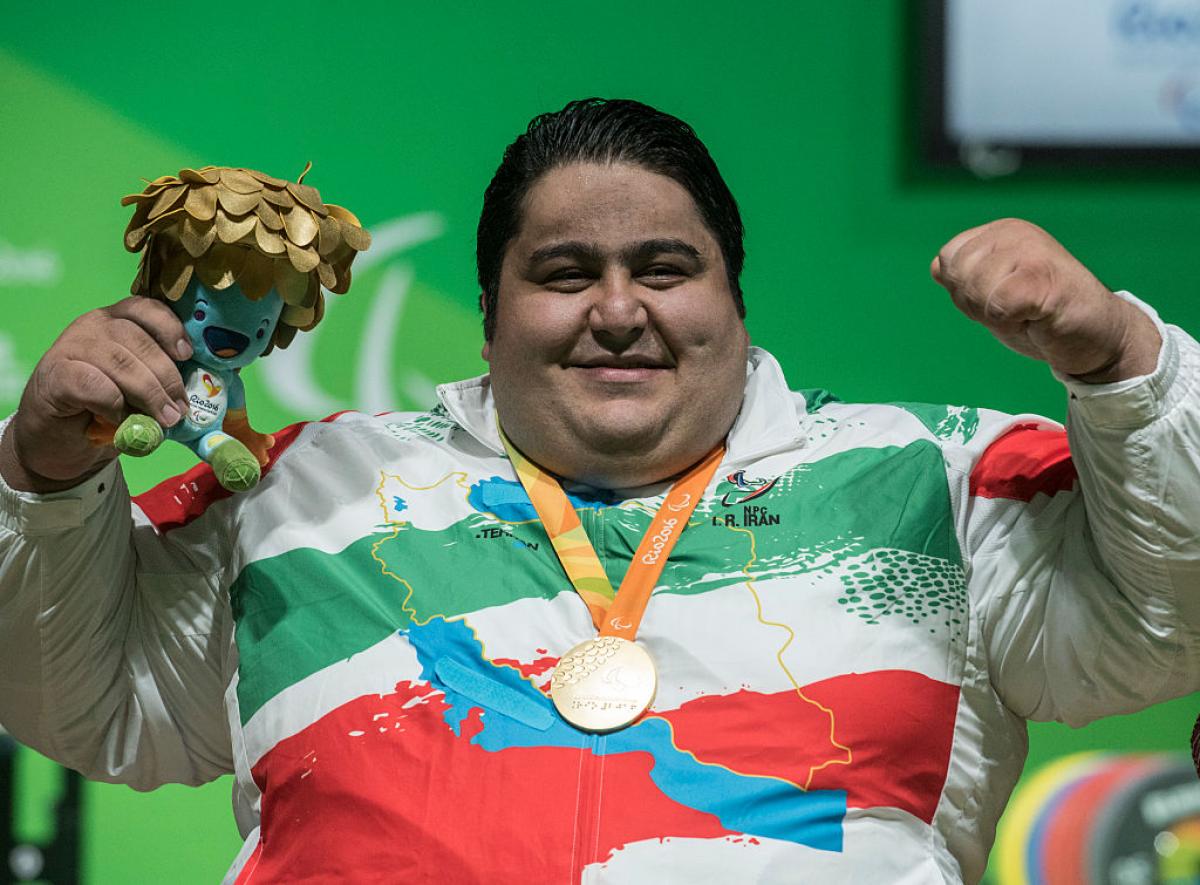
point(537, 323)
point(714, 330)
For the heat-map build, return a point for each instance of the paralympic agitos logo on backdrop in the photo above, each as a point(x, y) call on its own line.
point(382, 378)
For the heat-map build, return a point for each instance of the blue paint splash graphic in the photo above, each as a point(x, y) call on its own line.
point(506, 499)
point(757, 806)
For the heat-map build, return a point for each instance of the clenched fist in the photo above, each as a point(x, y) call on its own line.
point(1035, 297)
point(107, 363)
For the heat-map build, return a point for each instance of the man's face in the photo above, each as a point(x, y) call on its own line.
point(618, 357)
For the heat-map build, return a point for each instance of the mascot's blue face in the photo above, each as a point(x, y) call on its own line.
point(227, 329)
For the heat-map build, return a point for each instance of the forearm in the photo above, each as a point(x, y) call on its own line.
point(1137, 447)
point(1088, 584)
point(98, 669)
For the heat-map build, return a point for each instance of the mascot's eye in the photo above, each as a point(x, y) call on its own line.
point(261, 332)
point(199, 314)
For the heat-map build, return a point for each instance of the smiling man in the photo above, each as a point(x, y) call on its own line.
point(617, 352)
point(626, 609)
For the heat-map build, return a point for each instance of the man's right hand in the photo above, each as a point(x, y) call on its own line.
point(107, 363)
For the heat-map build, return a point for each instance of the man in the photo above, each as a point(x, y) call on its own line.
point(865, 604)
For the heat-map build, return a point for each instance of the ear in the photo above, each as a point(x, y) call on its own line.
point(487, 345)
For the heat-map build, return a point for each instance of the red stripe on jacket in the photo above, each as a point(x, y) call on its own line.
point(1023, 462)
point(175, 502)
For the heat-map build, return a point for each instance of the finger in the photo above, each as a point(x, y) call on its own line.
point(945, 258)
point(1017, 297)
point(158, 321)
point(72, 387)
point(982, 267)
point(142, 389)
point(965, 304)
point(134, 338)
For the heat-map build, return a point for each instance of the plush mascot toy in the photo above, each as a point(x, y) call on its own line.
point(241, 258)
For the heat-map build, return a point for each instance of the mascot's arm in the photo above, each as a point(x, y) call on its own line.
point(237, 425)
point(100, 432)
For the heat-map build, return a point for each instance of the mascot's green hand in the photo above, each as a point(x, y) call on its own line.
point(138, 435)
point(234, 466)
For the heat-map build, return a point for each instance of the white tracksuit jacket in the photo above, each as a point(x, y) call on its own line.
point(866, 606)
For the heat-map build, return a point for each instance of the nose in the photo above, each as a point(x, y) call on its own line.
point(618, 316)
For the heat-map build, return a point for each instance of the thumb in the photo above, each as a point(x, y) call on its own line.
point(935, 270)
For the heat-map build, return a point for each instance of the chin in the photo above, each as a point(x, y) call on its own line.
point(622, 434)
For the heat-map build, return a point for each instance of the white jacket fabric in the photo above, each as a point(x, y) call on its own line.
point(865, 607)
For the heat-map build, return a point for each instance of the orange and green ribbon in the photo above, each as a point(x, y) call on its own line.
point(613, 613)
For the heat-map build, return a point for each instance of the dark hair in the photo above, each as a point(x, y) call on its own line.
point(596, 130)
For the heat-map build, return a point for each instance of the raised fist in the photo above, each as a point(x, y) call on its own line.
point(1035, 297)
point(107, 363)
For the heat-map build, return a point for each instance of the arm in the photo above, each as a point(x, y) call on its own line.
point(114, 640)
point(1088, 591)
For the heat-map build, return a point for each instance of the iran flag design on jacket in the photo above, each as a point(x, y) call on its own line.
point(865, 605)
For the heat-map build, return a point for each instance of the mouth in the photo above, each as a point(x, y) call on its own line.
point(622, 370)
point(225, 343)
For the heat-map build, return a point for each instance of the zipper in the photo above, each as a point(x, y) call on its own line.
point(588, 802)
point(588, 807)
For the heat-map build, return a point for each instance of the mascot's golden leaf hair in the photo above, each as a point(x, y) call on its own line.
point(227, 225)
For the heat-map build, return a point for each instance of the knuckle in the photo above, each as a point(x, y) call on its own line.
point(1012, 226)
point(84, 325)
point(175, 389)
point(998, 309)
point(121, 361)
point(155, 397)
point(94, 387)
point(1032, 278)
point(148, 314)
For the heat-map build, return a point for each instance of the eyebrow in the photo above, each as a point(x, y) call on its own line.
point(566, 249)
point(667, 246)
point(630, 254)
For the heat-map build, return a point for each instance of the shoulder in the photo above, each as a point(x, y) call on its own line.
point(306, 455)
point(999, 454)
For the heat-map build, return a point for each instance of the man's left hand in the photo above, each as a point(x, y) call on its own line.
point(1035, 297)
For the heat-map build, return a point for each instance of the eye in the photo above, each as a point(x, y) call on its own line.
point(570, 279)
point(662, 276)
point(199, 314)
point(261, 332)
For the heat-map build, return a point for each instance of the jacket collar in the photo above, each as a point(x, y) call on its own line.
point(767, 423)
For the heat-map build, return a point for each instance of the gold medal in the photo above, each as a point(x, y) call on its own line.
point(603, 684)
point(608, 682)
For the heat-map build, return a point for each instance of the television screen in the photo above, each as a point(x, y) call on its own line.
point(1023, 79)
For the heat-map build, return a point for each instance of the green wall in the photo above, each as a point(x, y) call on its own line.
point(404, 109)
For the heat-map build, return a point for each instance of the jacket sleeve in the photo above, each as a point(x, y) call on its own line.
point(1084, 560)
point(115, 641)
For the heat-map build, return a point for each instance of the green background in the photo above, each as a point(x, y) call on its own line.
point(404, 110)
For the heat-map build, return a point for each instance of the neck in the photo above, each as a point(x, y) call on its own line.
point(627, 469)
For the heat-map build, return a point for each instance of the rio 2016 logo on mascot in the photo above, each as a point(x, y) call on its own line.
point(241, 258)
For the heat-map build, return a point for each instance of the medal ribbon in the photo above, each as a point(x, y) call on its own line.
point(613, 613)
